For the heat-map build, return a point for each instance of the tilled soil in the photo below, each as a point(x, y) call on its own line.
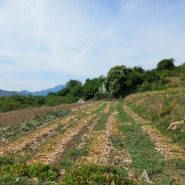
point(93, 134)
point(16, 116)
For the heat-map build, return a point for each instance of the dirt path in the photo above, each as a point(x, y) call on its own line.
point(164, 145)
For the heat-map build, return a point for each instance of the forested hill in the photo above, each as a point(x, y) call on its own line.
point(119, 82)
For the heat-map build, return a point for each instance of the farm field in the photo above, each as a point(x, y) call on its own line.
point(18, 116)
point(96, 143)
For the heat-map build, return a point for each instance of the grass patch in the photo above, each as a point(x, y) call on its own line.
point(74, 153)
point(100, 109)
point(101, 122)
point(161, 123)
point(100, 125)
point(6, 160)
point(141, 148)
point(64, 163)
point(117, 141)
point(178, 163)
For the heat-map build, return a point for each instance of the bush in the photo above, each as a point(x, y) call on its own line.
point(100, 95)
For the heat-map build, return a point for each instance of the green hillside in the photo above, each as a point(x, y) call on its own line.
point(162, 108)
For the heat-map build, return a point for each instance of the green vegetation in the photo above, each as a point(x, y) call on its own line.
point(120, 81)
point(18, 129)
point(139, 145)
point(126, 148)
point(161, 109)
point(48, 174)
point(145, 156)
point(97, 175)
point(43, 172)
point(166, 64)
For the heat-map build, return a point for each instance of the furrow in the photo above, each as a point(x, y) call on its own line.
point(50, 152)
point(120, 154)
point(85, 136)
point(164, 145)
point(32, 137)
point(136, 117)
point(99, 146)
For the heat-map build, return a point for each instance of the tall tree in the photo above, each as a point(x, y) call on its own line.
point(91, 86)
point(166, 64)
point(116, 78)
point(73, 88)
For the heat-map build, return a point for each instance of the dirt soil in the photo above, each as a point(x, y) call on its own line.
point(16, 116)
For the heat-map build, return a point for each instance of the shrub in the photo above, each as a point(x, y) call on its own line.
point(100, 95)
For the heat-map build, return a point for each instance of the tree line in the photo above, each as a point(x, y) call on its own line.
point(119, 82)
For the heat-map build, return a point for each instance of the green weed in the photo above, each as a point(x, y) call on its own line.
point(178, 163)
point(75, 153)
point(117, 141)
point(45, 172)
point(141, 148)
point(168, 108)
point(18, 129)
point(6, 160)
point(97, 175)
point(64, 163)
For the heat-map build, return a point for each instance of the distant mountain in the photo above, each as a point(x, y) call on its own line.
point(36, 93)
point(8, 93)
point(43, 92)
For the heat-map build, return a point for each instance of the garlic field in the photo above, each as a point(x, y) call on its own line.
point(103, 142)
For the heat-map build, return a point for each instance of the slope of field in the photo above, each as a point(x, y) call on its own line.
point(16, 116)
point(102, 142)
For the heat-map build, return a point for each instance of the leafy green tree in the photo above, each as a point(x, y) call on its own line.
point(166, 64)
point(64, 92)
point(151, 76)
point(135, 77)
point(91, 87)
point(72, 83)
point(116, 79)
point(72, 88)
point(76, 91)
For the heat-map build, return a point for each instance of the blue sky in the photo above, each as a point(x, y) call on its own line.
point(47, 42)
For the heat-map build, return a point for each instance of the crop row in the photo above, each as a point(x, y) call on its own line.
point(164, 145)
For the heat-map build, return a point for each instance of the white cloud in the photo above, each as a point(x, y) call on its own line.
point(46, 42)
